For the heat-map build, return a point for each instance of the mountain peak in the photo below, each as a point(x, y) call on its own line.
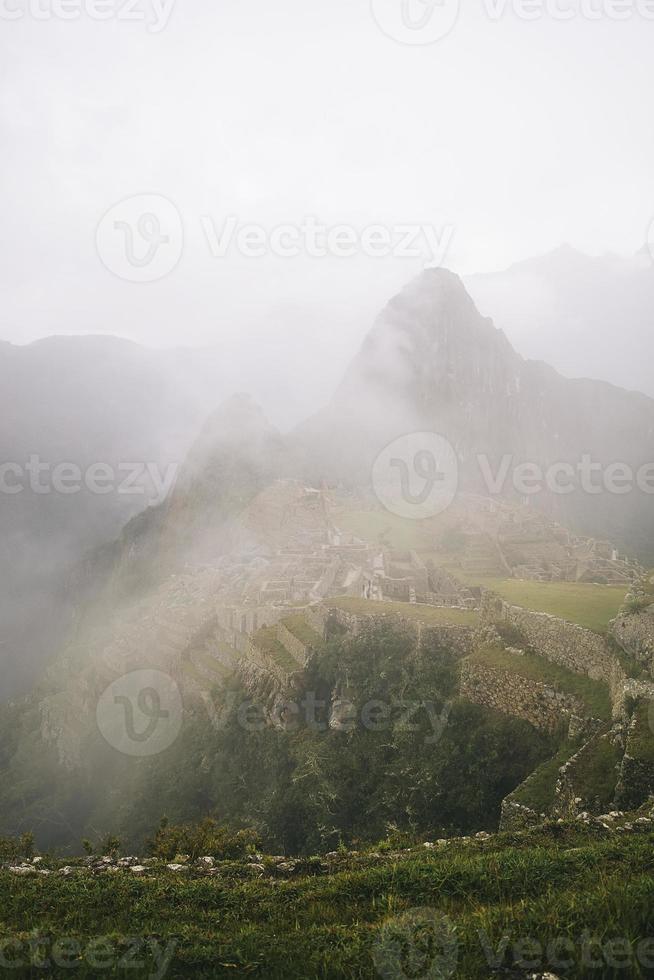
point(433, 285)
point(239, 409)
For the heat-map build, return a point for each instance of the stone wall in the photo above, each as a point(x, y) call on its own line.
point(569, 799)
point(635, 783)
point(316, 617)
point(516, 816)
point(561, 642)
point(457, 641)
point(557, 640)
point(520, 697)
point(297, 649)
point(636, 779)
point(635, 634)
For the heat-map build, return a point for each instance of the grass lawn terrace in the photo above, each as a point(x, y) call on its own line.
point(414, 611)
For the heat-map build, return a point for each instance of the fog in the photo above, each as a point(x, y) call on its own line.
point(290, 169)
point(516, 134)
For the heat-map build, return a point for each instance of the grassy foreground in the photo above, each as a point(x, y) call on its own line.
point(575, 900)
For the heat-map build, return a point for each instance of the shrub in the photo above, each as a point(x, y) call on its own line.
point(637, 604)
point(109, 844)
point(12, 848)
point(205, 838)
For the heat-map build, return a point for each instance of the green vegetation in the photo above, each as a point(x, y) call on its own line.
point(595, 774)
point(298, 626)
point(559, 882)
point(641, 737)
point(420, 760)
point(266, 640)
point(12, 848)
point(197, 840)
point(645, 595)
point(380, 527)
point(537, 791)
point(594, 694)
point(416, 612)
point(592, 606)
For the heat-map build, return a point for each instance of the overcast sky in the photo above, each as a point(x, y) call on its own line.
point(515, 135)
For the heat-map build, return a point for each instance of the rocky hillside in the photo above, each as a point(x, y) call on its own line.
point(81, 401)
point(224, 586)
point(432, 363)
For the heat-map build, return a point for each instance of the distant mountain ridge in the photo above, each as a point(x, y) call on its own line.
point(588, 316)
point(432, 362)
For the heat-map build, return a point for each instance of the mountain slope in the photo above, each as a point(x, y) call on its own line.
point(587, 316)
point(432, 363)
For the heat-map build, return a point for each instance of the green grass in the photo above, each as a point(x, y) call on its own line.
point(641, 739)
point(298, 626)
point(595, 775)
point(593, 694)
point(592, 606)
point(377, 526)
point(416, 612)
point(537, 791)
point(551, 883)
point(266, 640)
